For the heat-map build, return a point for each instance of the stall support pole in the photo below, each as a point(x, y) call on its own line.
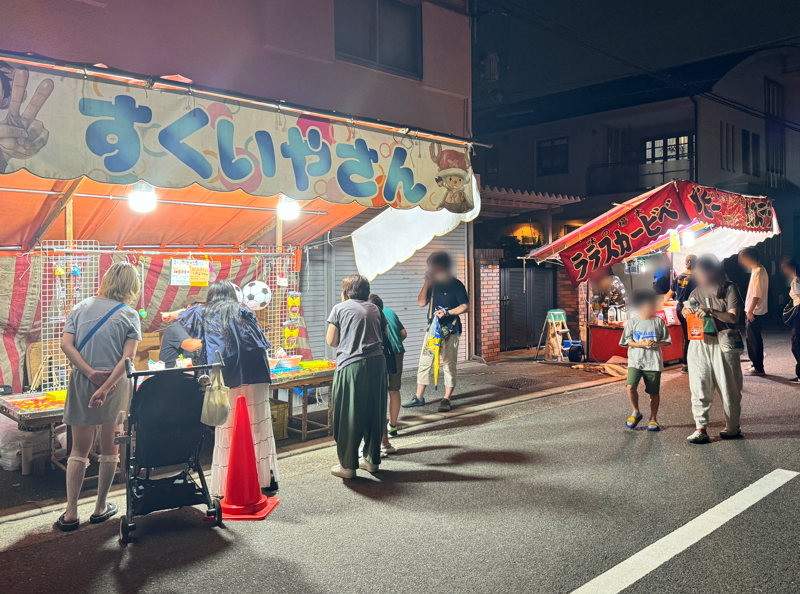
point(68, 222)
point(279, 232)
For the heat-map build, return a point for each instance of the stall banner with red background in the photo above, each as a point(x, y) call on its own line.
point(709, 205)
point(625, 235)
point(669, 207)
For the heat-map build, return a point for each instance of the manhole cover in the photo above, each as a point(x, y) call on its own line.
point(518, 383)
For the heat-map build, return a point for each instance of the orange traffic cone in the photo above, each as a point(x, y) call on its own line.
point(243, 499)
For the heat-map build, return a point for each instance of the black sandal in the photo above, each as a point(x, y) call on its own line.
point(67, 526)
point(111, 510)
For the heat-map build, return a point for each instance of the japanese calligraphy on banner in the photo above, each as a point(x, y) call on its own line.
point(669, 207)
point(709, 205)
point(60, 126)
point(626, 235)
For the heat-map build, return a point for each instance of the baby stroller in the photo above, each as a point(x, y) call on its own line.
point(164, 429)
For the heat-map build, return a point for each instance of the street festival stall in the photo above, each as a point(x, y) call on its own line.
point(680, 217)
point(191, 185)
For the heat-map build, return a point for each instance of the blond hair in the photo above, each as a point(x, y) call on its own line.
point(121, 283)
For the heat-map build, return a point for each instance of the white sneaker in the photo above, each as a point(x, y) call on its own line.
point(368, 466)
point(698, 437)
point(347, 473)
point(386, 450)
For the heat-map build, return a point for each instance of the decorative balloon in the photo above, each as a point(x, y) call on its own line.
point(257, 295)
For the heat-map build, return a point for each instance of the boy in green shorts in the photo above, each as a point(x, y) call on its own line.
point(644, 336)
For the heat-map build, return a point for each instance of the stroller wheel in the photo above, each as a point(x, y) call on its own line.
point(124, 530)
point(218, 515)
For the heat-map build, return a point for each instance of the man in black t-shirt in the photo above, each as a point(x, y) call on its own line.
point(682, 287)
point(445, 297)
point(176, 341)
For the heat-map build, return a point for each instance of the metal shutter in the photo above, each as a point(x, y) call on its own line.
point(398, 287)
point(315, 299)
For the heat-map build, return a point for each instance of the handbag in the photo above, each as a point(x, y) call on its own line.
point(789, 313)
point(216, 402)
point(730, 341)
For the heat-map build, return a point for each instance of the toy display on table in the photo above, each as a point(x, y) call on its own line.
point(303, 369)
point(38, 403)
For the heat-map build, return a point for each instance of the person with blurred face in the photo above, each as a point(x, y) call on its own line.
point(445, 297)
point(644, 336)
point(712, 365)
point(755, 308)
point(791, 269)
point(682, 287)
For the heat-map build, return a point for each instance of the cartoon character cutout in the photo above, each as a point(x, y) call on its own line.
point(454, 177)
point(22, 136)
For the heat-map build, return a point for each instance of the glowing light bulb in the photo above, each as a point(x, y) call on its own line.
point(142, 197)
point(288, 209)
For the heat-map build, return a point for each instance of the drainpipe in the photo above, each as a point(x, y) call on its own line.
point(695, 160)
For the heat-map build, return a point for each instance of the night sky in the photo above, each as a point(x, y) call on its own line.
point(535, 60)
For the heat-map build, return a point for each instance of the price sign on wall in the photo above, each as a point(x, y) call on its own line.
point(179, 271)
point(199, 274)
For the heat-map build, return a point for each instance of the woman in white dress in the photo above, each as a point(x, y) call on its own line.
point(224, 326)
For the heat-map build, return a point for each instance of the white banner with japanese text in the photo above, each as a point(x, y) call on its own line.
point(62, 126)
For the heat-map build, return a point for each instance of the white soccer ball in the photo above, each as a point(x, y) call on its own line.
point(239, 294)
point(256, 295)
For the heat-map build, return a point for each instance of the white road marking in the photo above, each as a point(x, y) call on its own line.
point(639, 565)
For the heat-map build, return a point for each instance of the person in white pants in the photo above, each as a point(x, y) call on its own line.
point(714, 360)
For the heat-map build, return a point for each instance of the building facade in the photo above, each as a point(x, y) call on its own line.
point(613, 140)
point(732, 122)
point(401, 61)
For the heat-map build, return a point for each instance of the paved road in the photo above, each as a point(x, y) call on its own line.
point(479, 384)
point(537, 497)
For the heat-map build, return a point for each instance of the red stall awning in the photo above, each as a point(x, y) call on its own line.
point(635, 225)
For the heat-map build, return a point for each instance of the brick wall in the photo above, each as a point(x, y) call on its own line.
point(567, 298)
point(487, 304)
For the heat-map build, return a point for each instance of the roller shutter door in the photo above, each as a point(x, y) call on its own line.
point(398, 287)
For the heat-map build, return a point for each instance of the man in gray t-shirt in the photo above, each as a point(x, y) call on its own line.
point(644, 336)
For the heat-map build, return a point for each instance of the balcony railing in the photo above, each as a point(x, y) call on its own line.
point(613, 178)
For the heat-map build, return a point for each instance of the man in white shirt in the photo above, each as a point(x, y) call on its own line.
point(755, 308)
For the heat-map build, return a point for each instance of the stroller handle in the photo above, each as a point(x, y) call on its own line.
point(132, 373)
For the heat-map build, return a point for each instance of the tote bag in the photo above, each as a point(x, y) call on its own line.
point(216, 405)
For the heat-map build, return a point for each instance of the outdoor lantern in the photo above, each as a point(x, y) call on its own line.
point(142, 197)
point(288, 209)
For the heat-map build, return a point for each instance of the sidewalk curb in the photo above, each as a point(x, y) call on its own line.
point(37, 508)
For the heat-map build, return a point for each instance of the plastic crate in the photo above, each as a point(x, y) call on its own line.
point(280, 418)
